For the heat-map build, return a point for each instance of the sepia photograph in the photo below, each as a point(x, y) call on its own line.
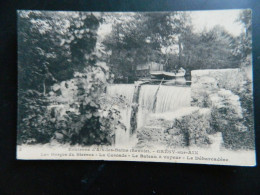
point(170, 87)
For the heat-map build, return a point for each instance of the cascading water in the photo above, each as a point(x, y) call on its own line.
point(169, 99)
point(126, 91)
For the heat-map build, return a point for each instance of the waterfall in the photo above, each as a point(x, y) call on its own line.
point(127, 92)
point(169, 99)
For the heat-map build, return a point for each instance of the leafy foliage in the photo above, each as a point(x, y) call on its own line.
point(139, 42)
point(52, 46)
point(209, 50)
point(169, 39)
point(89, 120)
point(195, 128)
point(62, 79)
point(65, 65)
point(34, 124)
point(234, 120)
point(243, 48)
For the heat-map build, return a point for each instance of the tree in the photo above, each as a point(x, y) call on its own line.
point(243, 48)
point(245, 18)
point(139, 39)
point(209, 50)
point(53, 45)
point(58, 51)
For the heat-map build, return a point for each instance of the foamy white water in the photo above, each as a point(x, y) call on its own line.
point(127, 91)
point(169, 99)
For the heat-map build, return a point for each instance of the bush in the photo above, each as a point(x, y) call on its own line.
point(160, 132)
point(91, 117)
point(246, 98)
point(195, 128)
point(188, 130)
point(229, 94)
point(228, 118)
point(34, 124)
point(75, 111)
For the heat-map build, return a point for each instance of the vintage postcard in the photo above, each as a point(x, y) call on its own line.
point(170, 87)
